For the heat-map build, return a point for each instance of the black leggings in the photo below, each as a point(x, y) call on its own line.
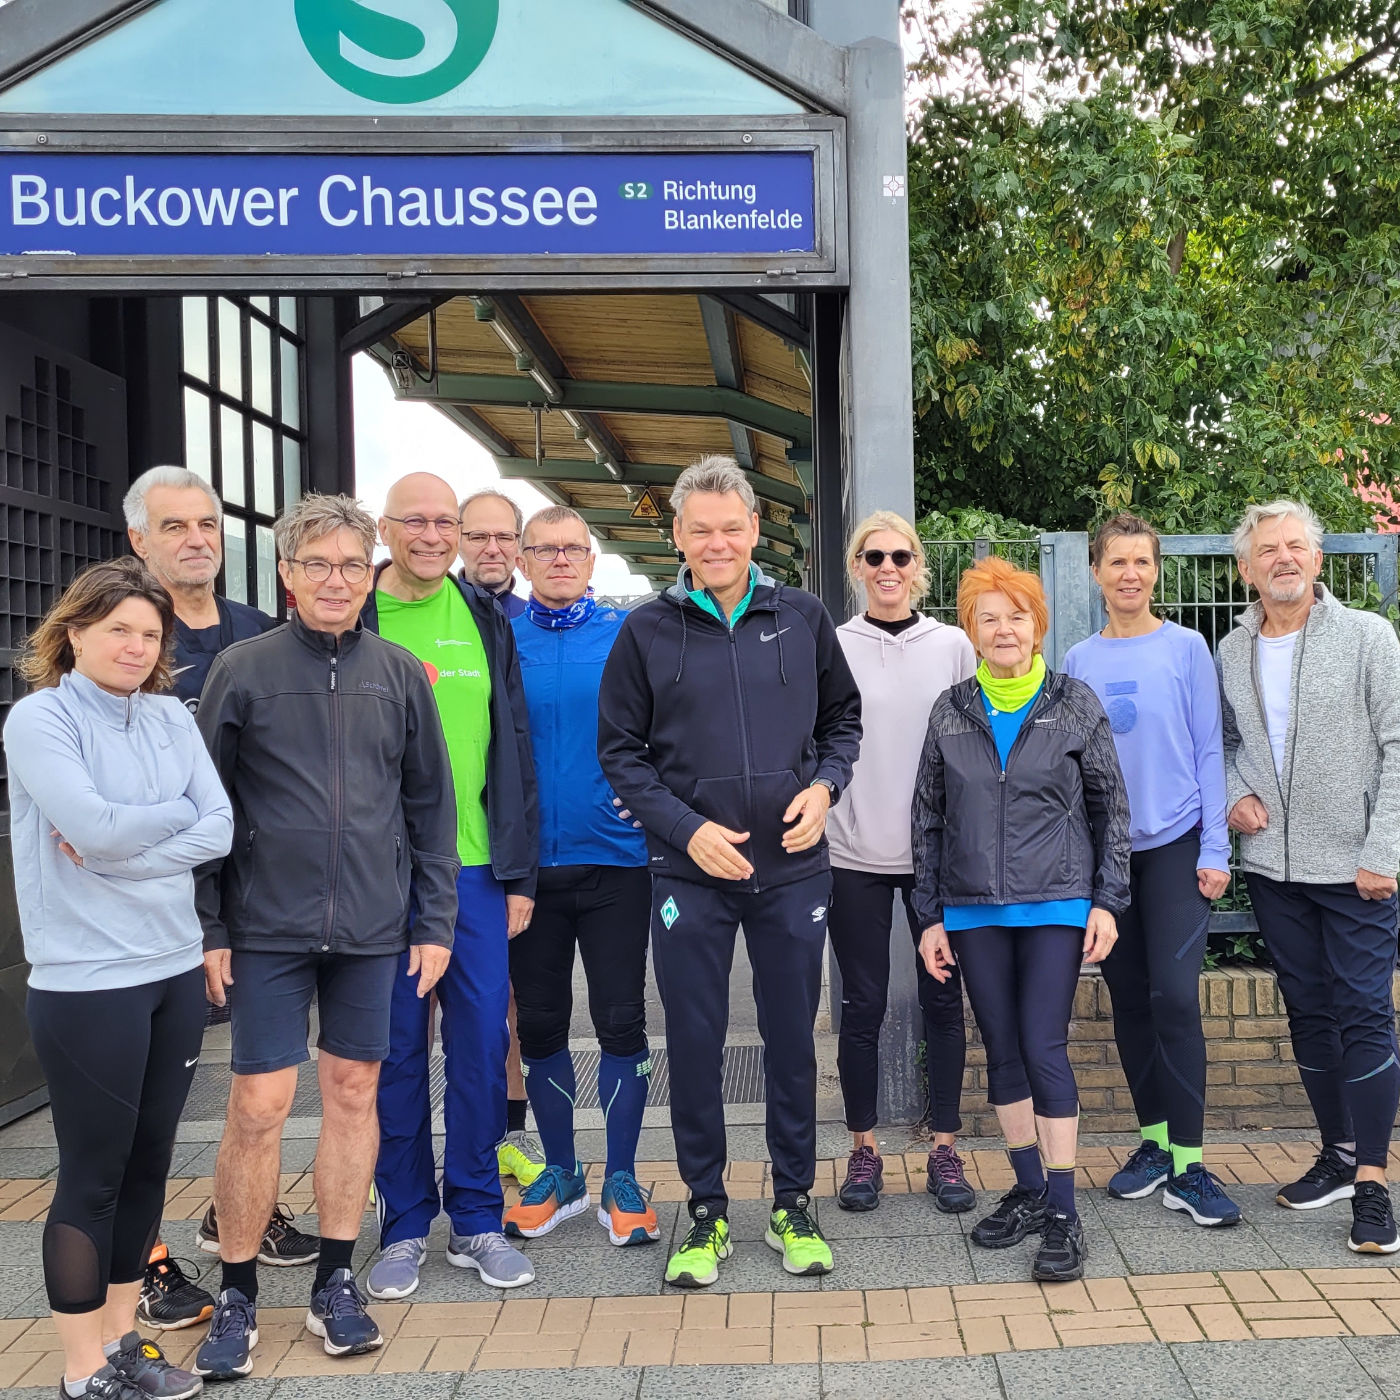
point(606, 910)
point(119, 1065)
point(858, 923)
point(1021, 984)
point(1154, 976)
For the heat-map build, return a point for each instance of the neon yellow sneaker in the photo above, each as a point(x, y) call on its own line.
point(696, 1263)
point(794, 1234)
point(520, 1156)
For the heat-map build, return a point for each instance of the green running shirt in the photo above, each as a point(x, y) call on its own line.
point(441, 632)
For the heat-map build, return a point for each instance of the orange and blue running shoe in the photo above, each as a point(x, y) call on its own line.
point(626, 1211)
point(553, 1197)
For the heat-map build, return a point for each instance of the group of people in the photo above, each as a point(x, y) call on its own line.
point(416, 798)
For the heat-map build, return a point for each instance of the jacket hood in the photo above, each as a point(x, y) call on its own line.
point(684, 585)
point(1252, 618)
point(887, 642)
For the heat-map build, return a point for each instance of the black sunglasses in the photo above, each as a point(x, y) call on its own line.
point(900, 558)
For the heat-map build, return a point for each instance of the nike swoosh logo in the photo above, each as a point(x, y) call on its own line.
point(773, 636)
point(194, 1061)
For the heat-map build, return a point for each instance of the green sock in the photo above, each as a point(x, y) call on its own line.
point(1182, 1157)
point(1157, 1133)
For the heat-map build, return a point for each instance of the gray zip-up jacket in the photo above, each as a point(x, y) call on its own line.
point(1336, 806)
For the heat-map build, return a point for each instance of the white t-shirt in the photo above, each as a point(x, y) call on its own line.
point(1276, 681)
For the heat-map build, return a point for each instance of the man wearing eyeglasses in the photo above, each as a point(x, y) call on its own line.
point(466, 647)
point(330, 747)
point(489, 547)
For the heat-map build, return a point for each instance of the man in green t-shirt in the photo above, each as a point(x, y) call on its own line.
point(467, 648)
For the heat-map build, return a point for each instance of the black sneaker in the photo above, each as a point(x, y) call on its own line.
point(1060, 1258)
point(143, 1364)
point(227, 1352)
point(1019, 1213)
point(1328, 1179)
point(283, 1245)
point(947, 1182)
point(338, 1316)
point(1372, 1220)
point(168, 1298)
point(865, 1179)
point(106, 1384)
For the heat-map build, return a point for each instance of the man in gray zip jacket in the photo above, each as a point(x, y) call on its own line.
point(1311, 694)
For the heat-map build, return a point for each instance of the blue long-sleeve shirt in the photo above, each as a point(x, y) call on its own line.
point(1162, 698)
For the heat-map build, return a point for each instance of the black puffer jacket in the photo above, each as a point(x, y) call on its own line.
point(1052, 825)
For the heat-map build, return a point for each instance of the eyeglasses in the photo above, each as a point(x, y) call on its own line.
point(900, 558)
point(353, 571)
point(507, 539)
point(416, 524)
point(548, 553)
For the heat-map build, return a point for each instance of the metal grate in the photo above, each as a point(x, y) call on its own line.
point(948, 558)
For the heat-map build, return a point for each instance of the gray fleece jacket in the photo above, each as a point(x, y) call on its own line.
point(1336, 806)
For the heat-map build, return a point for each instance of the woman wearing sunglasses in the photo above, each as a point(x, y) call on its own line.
point(902, 662)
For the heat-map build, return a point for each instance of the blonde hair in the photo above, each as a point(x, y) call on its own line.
point(892, 521)
point(994, 575)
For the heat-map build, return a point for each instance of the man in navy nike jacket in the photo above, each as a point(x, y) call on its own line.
point(728, 723)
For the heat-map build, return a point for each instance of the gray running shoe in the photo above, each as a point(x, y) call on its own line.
point(106, 1384)
point(497, 1261)
point(395, 1272)
point(143, 1364)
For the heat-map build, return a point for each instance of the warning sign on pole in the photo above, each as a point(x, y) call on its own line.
point(646, 508)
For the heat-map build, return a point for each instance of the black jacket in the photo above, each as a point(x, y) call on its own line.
point(512, 799)
point(332, 754)
point(1053, 825)
point(698, 722)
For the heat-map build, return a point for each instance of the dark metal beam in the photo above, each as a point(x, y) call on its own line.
point(34, 32)
point(782, 493)
point(722, 336)
point(385, 320)
point(763, 312)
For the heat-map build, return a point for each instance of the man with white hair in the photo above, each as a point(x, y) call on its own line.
point(1311, 695)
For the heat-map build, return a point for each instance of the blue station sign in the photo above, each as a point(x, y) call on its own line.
point(685, 204)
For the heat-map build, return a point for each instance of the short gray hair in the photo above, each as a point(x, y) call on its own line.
point(1257, 514)
point(500, 496)
point(712, 476)
point(315, 516)
point(554, 515)
point(138, 518)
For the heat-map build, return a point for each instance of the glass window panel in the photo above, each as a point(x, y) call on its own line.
point(198, 452)
point(263, 304)
point(291, 471)
point(287, 312)
point(264, 471)
point(194, 319)
point(291, 385)
point(235, 559)
point(230, 349)
point(268, 583)
point(231, 443)
point(261, 368)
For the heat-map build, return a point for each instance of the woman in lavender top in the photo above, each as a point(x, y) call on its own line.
point(1158, 685)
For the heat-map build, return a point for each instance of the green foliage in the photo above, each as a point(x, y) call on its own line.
point(972, 523)
point(1155, 251)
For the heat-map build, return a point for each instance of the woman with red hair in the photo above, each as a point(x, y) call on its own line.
point(1021, 846)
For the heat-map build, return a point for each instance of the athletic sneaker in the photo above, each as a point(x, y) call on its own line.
point(696, 1263)
point(1148, 1168)
point(143, 1363)
point(552, 1198)
point(283, 1245)
point(865, 1179)
point(947, 1182)
point(1372, 1220)
point(106, 1384)
point(794, 1234)
point(1200, 1194)
point(520, 1156)
point(168, 1298)
point(1328, 1179)
point(493, 1257)
point(1019, 1213)
point(625, 1209)
point(226, 1352)
point(337, 1315)
point(395, 1272)
point(1060, 1258)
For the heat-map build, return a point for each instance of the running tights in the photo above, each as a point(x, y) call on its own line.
point(119, 1064)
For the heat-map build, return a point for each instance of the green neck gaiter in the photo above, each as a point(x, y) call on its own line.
point(1012, 693)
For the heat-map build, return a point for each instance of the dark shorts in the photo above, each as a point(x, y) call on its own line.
point(270, 1001)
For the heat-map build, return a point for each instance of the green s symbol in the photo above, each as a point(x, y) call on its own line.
point(398, 51)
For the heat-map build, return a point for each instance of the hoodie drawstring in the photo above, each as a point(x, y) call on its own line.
point(782, 670)
point(680, 665)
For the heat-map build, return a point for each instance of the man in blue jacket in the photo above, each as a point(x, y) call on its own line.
point(594, 892)
point(465, 645)
point(729, 722)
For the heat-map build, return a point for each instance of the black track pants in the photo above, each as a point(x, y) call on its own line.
point(119, 1065)
point(858, 923)
point(1154, 977)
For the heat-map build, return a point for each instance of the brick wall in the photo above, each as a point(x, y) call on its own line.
point(1251, 1080)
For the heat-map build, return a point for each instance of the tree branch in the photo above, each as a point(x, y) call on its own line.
point(1342, 74)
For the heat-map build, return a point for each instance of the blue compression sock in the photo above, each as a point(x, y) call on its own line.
point(549, 1084)
point(623, 1081)
point(1025, 1162)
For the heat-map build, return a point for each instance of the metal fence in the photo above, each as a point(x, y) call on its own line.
point(947, 559)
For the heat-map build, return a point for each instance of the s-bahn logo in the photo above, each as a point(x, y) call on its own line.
point(399, 51)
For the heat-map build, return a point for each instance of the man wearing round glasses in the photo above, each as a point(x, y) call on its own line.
point(489, 546)
point(466, 647)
